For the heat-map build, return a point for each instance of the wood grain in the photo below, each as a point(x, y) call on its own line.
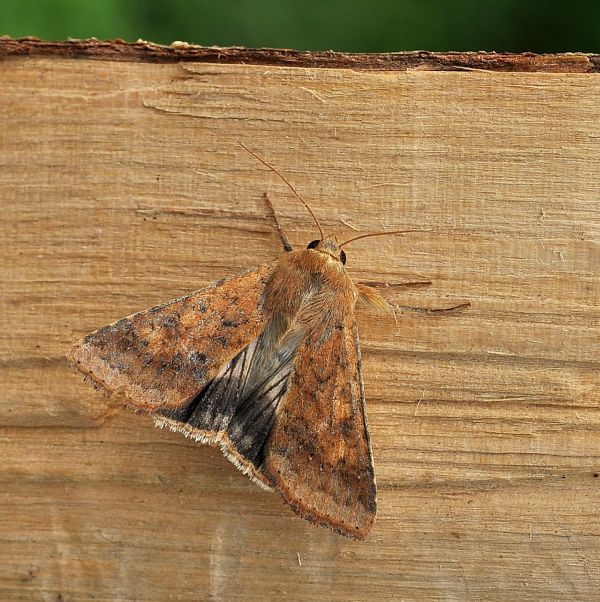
point(123, 185)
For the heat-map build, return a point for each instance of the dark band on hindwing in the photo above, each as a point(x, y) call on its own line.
point(242, 400)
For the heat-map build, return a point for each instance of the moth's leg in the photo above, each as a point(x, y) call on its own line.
point(430, 310)
point(287, 247)
point(393, 285)
point(370, 297)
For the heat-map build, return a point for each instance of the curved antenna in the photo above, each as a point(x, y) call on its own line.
point(380, 234)
point(288, 183)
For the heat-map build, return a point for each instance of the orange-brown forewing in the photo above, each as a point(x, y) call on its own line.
point(318, 455)
point(162, 357)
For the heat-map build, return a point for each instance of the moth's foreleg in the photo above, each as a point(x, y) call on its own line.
point(394, 285)
point(431, 310)
point(287, 247)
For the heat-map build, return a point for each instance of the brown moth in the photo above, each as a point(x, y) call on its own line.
point(267, 366)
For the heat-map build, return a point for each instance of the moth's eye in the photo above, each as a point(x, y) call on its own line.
point(313, 244)
point(342, 256)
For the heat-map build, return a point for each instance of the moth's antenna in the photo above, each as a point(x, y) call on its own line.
point(288, 183)
point(380, 234)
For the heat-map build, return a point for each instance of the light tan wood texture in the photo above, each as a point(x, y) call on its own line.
point(122, 185)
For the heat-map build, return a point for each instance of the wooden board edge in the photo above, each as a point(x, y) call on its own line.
point(143, 51)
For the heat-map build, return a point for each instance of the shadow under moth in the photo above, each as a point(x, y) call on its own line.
point(266, 365)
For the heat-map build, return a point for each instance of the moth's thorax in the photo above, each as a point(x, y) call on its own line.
point(310, 277)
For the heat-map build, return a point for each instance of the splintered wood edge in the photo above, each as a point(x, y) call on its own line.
point(142, 51)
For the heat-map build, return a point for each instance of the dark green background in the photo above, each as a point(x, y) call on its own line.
point(352, 25)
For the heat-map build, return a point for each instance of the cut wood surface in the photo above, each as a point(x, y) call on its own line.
point(122, 185)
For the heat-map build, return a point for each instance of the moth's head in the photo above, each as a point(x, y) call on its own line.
point(328, 247)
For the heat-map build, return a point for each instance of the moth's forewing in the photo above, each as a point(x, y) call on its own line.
point(318, 455)
point(162, 357)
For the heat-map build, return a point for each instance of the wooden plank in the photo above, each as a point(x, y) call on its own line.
point(123, 185)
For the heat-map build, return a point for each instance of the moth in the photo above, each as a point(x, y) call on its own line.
point(266, 365)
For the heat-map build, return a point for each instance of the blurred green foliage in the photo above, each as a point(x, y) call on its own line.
point(351, 25)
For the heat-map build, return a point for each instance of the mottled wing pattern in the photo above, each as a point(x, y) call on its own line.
point(318, 455)
point(163, 357)
point(237, 408)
